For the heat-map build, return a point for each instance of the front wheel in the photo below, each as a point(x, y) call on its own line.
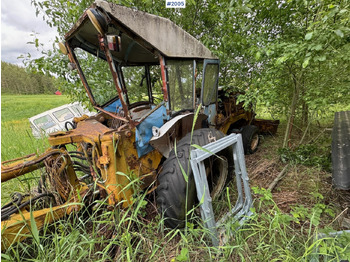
point(172, 190)
point(250, 138)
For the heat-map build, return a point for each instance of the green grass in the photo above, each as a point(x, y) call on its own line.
point(21, 107)
point(138, 234)
point(16, 136)
point(324, 117)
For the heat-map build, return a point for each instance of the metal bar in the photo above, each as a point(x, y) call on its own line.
point(151, 112)
point(216, 146)
point(203, 190)
point(164, 78)
point(111, 114)
point(241, 210)
point(73, 59)
point(25, 166)
point(113, 69)
point(315, 257)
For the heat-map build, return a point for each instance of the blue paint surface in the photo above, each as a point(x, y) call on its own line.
point(114, 107)
point(143, 132)
point(210, 111)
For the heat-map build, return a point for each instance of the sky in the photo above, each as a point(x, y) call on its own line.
point(18, 22)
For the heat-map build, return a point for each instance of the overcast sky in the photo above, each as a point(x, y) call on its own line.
point(18, 21)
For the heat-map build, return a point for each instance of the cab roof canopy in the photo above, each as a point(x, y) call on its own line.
point(143, 36)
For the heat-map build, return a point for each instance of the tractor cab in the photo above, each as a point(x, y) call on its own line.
point(141, 71)
point(133, 64)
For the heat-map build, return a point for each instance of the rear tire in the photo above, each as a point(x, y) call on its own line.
point(251, 139)
point(171, 192)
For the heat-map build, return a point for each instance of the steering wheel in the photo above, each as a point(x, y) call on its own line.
point(140, 103)
point(180, 112)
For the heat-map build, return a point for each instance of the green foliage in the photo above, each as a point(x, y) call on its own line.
point(301, 214)
point(183, 255)
point(335, 248)
point(308, 154)
point(16, 80)
point(272, 235)
point(298, 62)
point(99, 234)
point(291, 56)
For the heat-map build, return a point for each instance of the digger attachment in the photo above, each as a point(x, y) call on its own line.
point(59, 194)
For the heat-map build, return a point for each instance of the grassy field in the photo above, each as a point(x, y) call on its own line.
point(283, 226)
point(16, 136)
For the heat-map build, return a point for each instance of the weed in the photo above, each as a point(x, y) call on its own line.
point(308, 155)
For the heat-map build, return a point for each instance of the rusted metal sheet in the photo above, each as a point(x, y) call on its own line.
point(124, 162)
point(86, 131)
point(267, 127)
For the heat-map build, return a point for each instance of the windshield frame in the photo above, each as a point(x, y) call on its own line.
point(86, 84)
point(116, 80)
point(172, 62)
point(147, 78)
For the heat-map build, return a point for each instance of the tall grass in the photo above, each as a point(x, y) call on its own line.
point(136, 234)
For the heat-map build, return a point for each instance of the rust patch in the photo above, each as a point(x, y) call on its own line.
point(132, 161)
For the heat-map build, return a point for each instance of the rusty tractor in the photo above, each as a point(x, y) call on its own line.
point(154, 86)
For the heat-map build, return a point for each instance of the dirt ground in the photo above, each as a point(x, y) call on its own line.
point(297, 184)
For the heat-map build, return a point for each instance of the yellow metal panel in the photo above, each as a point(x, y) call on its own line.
point(18, 227)
point(225, 125)
point(124, 167)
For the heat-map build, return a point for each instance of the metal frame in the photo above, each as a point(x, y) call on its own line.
point(205, 64)
point(315, 257)
point(241, 211)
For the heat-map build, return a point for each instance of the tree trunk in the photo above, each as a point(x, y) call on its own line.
point(287, 136)
point(305, 114)
point(305, 109)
